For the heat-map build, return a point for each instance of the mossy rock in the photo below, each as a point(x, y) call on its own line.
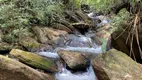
point(119, 43)
point(13, 70)
point(5, 46)
point(81, 25)
point(29, 43)
point(84, 17)
point(64, 22)
point(61, 27)
point(116, 65)
point(71, 17)
point(47, 35)
point(34, 60)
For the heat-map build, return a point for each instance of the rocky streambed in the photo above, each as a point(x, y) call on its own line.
point(74, 52)
point(74, 58)
point(70, 62)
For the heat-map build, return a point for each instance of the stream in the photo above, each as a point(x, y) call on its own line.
point(80, 43)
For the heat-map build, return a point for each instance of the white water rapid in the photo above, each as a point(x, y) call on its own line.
point(83, 41)
point(80, 43)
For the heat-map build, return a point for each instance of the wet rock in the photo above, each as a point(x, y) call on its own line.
point(78, 16)
point(82, 27)
point(14, 70)
point(74, 60)
point(103, 34)
point(41, 35)
point(48, 35)
point(82, 16)
point(70, 15)
point(60, 26)
point(96, 40)
point(65, 25)
point(93, 16)
point(78, 41)
point(116, 65)
point(34, 60)
point(30, 43)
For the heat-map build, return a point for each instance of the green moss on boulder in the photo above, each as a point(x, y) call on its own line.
point(116, 65)
point(34, 60)
point(13, 70)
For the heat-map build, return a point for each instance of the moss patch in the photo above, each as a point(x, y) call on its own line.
point(34, 60)
point(116, 65)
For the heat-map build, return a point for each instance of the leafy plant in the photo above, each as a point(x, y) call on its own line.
point(118, 20)
point(16, 16)
point(104, 45)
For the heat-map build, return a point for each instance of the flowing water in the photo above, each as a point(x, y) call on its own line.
point(67, 75)
point(80, 43)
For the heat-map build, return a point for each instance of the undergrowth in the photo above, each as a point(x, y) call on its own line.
point(133, 20)
point(17, 16)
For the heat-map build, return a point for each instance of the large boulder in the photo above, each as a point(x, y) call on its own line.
point(82, 27)
point(77, 16)
point(122, 40)
point(13, 70)
point(47, 35)
point(71, 16)
point(116, 65)
point(74, 60)
point(79, 20)
point(29, 43)
point(34, 60)
point(62, 26)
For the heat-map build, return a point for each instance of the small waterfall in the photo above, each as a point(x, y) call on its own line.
point(67, 75)
point(49, 54)
point(85, 44)
point(85, 49)
point(79, 43)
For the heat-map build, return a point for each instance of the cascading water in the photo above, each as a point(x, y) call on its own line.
point(67, 75)
point(78, 43)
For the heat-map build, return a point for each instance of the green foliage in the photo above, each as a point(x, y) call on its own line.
point(16, 16)
point(119, 19)
point(104, 5)
point(73, 4)
point(98, 4)
point(104, 45)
